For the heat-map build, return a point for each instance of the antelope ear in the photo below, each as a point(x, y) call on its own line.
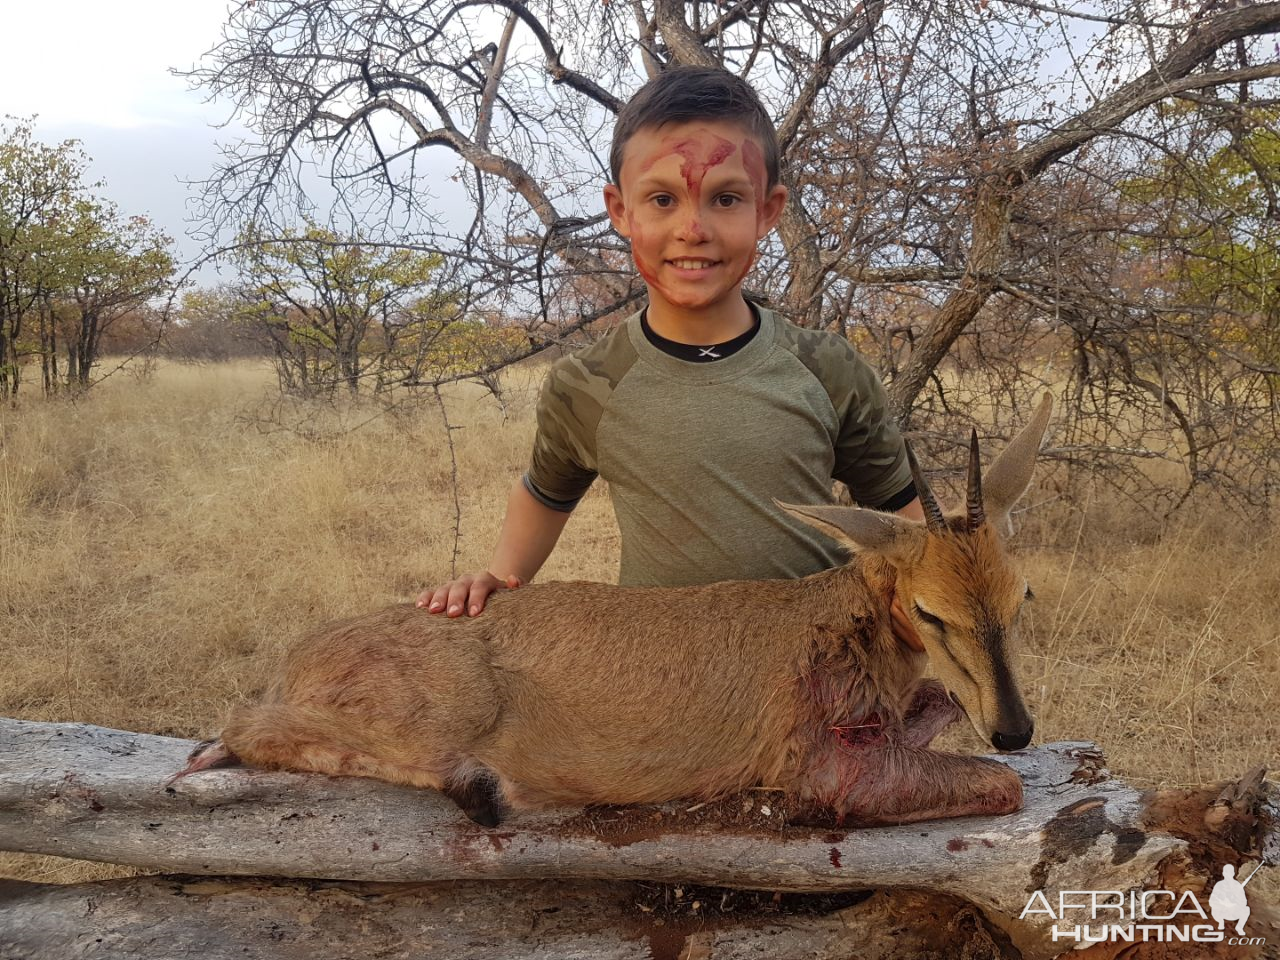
point(1007, 479)
point(895, 538)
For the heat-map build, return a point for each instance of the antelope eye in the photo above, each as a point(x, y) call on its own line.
point(929, 618)
point(1029, 595)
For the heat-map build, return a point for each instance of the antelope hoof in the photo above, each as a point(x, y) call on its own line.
point(1000, 790)
point(479, 797)
point(207, 756)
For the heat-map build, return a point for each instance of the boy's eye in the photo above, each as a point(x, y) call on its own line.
point(727, 200)
point(664, 200)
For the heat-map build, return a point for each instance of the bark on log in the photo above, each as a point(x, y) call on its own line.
point(176, 918)
point(90, 793)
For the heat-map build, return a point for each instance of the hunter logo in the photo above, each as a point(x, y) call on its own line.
point(1227, 901)
point(1148, 916)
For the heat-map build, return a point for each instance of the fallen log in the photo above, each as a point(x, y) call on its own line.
point(185, 918)
point(96, 794)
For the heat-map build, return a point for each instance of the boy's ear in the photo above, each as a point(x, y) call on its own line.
point(771, 210)
point(616, 208)
point(895, 538)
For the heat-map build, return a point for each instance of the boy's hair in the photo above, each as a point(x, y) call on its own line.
point(681, 94)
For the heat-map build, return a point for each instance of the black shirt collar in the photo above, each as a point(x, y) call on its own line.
point(698, 353)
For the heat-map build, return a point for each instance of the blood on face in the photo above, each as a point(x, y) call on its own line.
point(698, 155)
point(753, 163)
point(655, 232)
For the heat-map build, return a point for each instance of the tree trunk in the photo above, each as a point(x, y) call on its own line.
point(90, 793)
point(808, 276)
point(986, 256)
point(45, 320)
point(10, 329)
point(87, 349)
point(73, 360)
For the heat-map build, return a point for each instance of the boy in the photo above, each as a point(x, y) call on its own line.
point(702, 408)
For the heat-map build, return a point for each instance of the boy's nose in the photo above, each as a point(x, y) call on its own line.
point(691, 230)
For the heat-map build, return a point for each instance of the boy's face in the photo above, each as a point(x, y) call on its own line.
point(694, 202)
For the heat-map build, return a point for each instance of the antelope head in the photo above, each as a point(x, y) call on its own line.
point(957, 581)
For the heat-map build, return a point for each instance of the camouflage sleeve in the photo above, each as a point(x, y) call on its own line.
point(871, 458)
point(563, 464)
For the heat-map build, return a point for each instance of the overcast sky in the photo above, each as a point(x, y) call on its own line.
point(98, 71)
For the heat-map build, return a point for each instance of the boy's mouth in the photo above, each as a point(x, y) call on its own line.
point(692, 263)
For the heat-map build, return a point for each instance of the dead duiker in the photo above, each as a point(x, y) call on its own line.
point(577, 693)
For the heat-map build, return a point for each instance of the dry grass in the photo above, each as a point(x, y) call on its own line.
point(156, 554)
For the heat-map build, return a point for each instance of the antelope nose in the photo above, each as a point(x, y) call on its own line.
point(1012, 741)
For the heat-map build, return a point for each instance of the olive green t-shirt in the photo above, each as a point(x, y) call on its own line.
point(695, 453)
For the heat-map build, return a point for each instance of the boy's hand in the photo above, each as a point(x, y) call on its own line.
point(468, 593)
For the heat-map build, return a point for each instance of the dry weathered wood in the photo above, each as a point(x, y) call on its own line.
point(176, 918)
point(97, 794)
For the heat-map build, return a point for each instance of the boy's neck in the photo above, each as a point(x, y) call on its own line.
point(719, 324)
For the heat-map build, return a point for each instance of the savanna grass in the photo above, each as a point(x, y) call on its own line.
point(159, 548)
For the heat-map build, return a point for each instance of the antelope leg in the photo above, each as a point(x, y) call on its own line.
point(899, 784)
point(932, 710)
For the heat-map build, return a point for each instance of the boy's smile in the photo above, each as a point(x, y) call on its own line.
point(693, 200)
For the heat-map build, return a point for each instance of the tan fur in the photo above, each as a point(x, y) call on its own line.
point(579, 692)
point(574, 693)
point(976, 558)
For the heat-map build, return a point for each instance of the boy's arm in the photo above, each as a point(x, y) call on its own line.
point(560, 471)
point(529, 533)
point(913, 510)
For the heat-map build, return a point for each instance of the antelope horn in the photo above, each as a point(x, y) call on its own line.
point(932, 512)
point(973, 505)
